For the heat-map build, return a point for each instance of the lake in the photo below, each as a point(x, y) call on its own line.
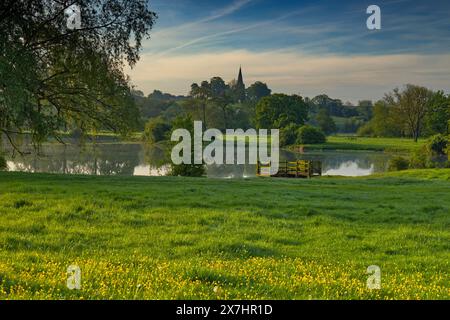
point(137, 159)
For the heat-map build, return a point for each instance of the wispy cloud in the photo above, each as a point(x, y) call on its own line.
point(299, 48)
point(232, 31)
point(187, 35)
point(237, 5)
point(221, 13)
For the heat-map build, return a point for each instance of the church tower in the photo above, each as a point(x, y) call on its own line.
point(240, 87)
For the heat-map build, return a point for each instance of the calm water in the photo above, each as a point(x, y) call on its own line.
point(137, 159)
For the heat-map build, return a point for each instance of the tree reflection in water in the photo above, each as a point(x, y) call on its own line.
point(115, 158)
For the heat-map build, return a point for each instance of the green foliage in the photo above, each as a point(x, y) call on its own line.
point(280, 110)
point(398, 163)
point(159, 104)
point(186, 170)
point(438, 144)
point(240, 115)
point(414, 111)
point(438, 115)
point(334, 107)
point(156, 130)
point(352, 125)
point(410, 106)
point(431, 154)
point(366, 130)
point(383, 122)
point(216, 92)
point(325, 122)
point(420, 159)
point(288, 135)
point(257, 91)
point(223, 106)
point(310, 135)
point(54, 78)
point(365, 109)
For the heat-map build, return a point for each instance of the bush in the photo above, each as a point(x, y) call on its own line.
point(420, 159)
point(186, 170)
point(398, 163)
point(288, 135)
point(430, 155)
point(366, 130)
point(438, 144)
point(310, 135)
point(156, 130)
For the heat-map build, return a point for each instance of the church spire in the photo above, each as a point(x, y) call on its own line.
point(240, 87)
point(240, 80)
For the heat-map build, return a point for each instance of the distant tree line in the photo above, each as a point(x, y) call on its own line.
point(412, 112)
point(222, 105)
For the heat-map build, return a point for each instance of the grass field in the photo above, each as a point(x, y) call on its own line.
point(369, 144)
point(179, 238)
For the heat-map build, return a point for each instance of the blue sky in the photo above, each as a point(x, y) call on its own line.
point(306, 47)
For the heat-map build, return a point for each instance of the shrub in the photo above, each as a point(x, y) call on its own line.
point(156, 130)
point(310, 135)
point(3, 164)
point(398, 163)
point(420, 159)
point(438, 144)
point(187, 170)
point(288, 135)
point(366, 130)
point(430, 155)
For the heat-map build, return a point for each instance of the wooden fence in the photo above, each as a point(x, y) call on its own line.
point(291, 169)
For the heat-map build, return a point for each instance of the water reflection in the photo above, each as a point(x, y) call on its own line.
point(349, 168)
point(140, 160)
point(348, 163)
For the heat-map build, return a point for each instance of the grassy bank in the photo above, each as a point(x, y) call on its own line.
point(169, 237)
point(368, 144)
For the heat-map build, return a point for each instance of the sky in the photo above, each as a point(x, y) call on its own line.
point(297, 47)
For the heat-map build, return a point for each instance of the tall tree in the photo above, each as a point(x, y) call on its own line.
point(365, 109)
point(280, 110)
point(201, 94)
point(334, 106)
point(257, 91)
point(438, 116)
point(52, 76)
point(384, 123)
point(412, 105)
point(325, 122)
point(221, 96)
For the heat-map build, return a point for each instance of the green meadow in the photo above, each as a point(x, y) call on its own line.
point(199, 238)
